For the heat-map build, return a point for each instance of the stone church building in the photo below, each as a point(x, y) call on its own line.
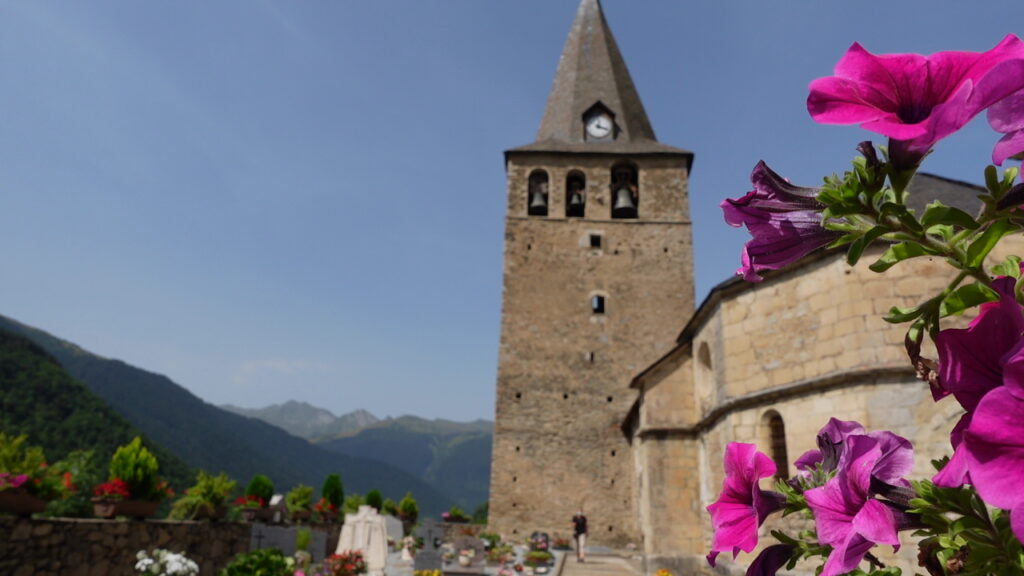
point(617, 395)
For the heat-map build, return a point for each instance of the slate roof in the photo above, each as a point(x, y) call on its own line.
point(591, 71)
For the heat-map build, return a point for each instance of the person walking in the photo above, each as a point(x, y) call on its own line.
point(579, 531)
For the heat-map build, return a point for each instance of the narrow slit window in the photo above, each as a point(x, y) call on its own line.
point(778, 442)
point(597, 304)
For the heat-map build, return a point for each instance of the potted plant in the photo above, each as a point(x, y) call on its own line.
point(455, 515)
point(299, 501)
point(408, 513)
point(205, 499)
point(27, 482)
point(134, 488)
point(332, 496)
point(257, 495)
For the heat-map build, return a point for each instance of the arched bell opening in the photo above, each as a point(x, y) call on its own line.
point(575, 194)
point(625, 191)
point(537, 196)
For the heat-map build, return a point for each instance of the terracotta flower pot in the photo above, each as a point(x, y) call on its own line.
point(136, 509)
point(20, 503)
point(257, 514)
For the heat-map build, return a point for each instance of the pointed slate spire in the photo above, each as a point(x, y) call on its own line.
point(592, 71)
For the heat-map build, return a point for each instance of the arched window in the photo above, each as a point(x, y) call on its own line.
point(625, 191)
point(575, 194)
point(776, 430)
point(537, 195)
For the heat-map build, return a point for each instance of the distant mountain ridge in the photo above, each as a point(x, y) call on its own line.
point(307, 421)
point(453, 457)
point(208, 437)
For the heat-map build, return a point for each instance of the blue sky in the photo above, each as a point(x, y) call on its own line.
point(304, 200)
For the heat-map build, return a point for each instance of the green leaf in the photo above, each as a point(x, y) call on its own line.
point(1008, 267)
point(860, 244)
point(898, 253)
point(966, 297)
point(984, 244)
point(900, 315)
point(937, 213)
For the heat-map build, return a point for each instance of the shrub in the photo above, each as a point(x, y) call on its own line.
point(333, 491)
point(299, 498)
point(302, 539)
point(209, 493)
point(389, 507)
point(260, 487)
point(480, 514)
point(264, 562)
point(353, 502)
point(408, 508)
point(373, 498)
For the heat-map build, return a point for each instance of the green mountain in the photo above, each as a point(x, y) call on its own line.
point(216, 440)
point(305, 421)
point(39, 399)
point(454, 457)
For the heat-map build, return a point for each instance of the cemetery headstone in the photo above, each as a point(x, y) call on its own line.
point(429, 557)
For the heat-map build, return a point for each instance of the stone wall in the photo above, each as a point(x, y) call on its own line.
point(563, 370)
point(74, 547)
point(805, 346)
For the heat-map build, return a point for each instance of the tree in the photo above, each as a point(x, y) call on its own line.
point(374, 498)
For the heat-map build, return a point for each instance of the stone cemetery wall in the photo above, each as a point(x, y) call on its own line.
point(79, 547)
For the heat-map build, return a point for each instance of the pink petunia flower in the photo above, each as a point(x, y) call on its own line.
point(784, 220)
point(993, 448)
point(916, 100)
point(1007, 116)
point(845, 515)
point(742, 505)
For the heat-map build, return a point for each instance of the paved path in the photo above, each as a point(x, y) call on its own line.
point(598, 565)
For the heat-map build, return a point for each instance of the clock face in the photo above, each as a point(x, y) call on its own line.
point(599, 126)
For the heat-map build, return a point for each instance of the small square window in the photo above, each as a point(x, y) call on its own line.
point(595, 241)
point(597, 304)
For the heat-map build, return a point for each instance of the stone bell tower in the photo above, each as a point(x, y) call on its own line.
point(598, 278)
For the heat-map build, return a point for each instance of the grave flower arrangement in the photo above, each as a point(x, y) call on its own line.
point(855, 486)
point(25, 470)
point(162, 562)
point(347, 564)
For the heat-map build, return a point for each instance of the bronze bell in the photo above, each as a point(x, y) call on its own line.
point(538, 204)
point(575, 204)
point(624, 206)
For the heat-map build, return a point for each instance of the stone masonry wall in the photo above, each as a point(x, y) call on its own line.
point(564, 371)
point(806, 346)
point(69, 547)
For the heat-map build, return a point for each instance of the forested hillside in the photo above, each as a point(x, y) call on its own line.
point(211, 438)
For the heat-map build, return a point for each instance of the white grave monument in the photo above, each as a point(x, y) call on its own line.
point(365, 532)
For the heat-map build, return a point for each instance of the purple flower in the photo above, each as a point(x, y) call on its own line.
point(1007, 116)
point(845, 515)
point(895, 462)
point(784, 220)
point(971, 359)
point(994, 449)
point(742, 505)
point(916, 100)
